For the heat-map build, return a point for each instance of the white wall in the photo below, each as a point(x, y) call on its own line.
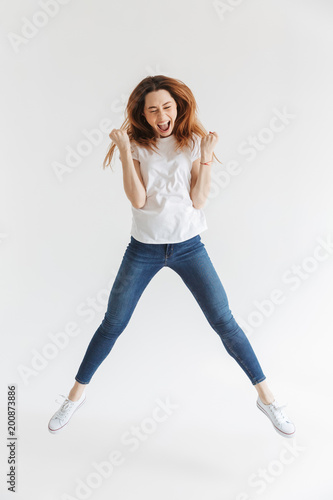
point(62, 238)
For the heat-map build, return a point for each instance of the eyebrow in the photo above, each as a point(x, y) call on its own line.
point(162, 105)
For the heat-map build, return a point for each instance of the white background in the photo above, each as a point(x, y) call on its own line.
point(63, 238)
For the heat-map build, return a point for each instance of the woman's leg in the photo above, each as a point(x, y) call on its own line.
point(76, 391)
point(199, 275)
point(134, 274)
point(264, 392)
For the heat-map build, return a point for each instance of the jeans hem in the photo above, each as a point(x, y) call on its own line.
point(254, 382)
point(81, 382)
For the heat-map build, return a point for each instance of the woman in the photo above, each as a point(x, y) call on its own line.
point(166, 156)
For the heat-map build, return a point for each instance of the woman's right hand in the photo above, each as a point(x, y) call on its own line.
point(120, 138)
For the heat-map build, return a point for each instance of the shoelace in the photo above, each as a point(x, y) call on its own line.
point(276, 411)
point(65, 407)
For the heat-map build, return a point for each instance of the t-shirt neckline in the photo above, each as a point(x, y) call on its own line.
point(165, 139)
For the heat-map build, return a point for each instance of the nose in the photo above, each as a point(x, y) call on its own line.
point(161, 117)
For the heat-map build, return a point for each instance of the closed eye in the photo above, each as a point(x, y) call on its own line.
point(164, 108)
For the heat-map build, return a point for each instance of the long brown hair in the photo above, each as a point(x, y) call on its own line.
point(139, 130)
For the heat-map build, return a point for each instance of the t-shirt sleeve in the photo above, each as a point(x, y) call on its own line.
point(196, 150)
point(134, 151)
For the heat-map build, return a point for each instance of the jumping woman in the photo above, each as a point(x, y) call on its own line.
point(166, 156)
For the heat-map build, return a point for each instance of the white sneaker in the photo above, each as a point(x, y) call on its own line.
point(280, 421)
point(64, 414)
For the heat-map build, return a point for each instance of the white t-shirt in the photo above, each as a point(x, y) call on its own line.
point(168, 215)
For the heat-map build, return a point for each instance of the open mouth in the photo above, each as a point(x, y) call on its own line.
point(165, 127)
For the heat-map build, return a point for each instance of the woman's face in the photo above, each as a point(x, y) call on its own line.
point(160, 110)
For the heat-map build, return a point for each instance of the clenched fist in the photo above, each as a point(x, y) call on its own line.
point(120, 138)
point(208, 143)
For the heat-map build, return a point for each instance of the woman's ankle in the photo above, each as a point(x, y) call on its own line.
point(265, 394)
point(74, 397)
point(76, 391)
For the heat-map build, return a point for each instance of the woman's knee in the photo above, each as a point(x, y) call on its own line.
point(112, 327)
point(225, 324)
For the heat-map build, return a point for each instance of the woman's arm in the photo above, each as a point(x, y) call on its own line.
point(201, 173)
point(200, 182)
point(133, 183)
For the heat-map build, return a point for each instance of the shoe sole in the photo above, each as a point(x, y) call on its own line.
point(284, 434)
point(54, 431)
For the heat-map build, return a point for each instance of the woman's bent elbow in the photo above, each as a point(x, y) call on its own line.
point(139, 204)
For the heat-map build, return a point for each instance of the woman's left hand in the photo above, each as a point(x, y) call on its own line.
point(208, 143)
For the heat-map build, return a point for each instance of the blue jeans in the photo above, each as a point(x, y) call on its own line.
point(189, 259)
